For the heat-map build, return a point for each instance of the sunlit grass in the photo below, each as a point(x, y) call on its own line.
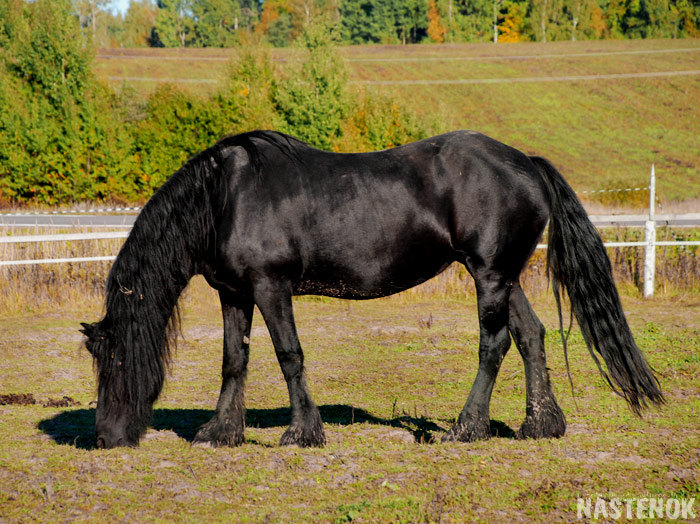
point(384, 372)
point(602, 134)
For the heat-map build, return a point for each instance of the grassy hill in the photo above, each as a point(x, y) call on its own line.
point(602, 111)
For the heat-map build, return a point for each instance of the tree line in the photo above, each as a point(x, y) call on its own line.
point(66, 137)
point(228, 23)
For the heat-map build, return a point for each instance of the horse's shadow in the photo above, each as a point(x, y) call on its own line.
point(77, 427)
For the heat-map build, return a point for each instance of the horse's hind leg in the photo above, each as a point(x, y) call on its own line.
point(226, 426)
point(274, 299)
point(494, 340)
point(543, 417)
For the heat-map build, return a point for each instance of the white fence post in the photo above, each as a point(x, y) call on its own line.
point(650, 238)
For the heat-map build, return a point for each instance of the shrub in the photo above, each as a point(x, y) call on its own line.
point(65, 137)
point(60, 139)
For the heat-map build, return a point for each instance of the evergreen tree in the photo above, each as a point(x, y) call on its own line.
point(383, 21)
point(217, 23)
point(174, 23)
point(472, 20)
point(410, 20)
point(313, 99)
point(59, 138)
point(139, 24)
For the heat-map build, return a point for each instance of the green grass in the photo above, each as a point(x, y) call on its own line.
point(601, 133)
point(389, 375)
point(386, 374)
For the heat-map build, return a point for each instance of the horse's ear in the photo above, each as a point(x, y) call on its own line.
point(89, 330)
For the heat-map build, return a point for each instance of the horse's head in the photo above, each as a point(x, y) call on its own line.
point(117, 422)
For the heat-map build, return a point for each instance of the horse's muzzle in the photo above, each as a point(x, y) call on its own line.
point(108, 437)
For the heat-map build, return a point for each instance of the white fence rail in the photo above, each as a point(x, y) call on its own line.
point(39, 261)
point(64, 237)
point(59, 238)
point(74, 211)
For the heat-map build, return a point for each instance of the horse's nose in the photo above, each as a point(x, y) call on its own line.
point(105, 441)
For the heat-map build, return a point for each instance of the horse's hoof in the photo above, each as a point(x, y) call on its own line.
point(469, 431)
point(219, 435)
point(544, 420)
point(304, 437)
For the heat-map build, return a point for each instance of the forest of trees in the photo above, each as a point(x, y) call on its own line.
point(66, 137)
point(227, 23)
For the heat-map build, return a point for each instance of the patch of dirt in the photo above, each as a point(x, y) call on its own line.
point(258, 331)
point(682, 393)
point(574, 428)
point(21, 399)
point(64, 402)
point(392, 330)
point(595, 457)
point(545, 496)
point(164, 434)
point(683, 474)
point(316, 463)
point(52, 335)
point(396, 435)
point(202, 333)
point(27, 399)
point(66, 374)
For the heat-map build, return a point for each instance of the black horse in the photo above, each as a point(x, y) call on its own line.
point(264, 217)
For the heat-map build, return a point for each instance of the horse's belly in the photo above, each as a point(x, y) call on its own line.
point(366, 285)
point(338, 289)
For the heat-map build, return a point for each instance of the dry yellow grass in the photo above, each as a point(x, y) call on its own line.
point(28, 287)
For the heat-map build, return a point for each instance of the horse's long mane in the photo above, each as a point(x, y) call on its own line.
point(170, 242)
point(154, 265)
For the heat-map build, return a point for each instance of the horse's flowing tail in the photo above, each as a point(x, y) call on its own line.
point(577, 261)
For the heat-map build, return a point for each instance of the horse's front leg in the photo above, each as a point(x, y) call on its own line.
point(494, 340)
point(274, 299)
point(226, 426)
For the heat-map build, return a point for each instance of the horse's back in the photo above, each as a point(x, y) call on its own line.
point(371, 224)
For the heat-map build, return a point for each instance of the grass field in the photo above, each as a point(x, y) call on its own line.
point(389, 376)
point(602, 132)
